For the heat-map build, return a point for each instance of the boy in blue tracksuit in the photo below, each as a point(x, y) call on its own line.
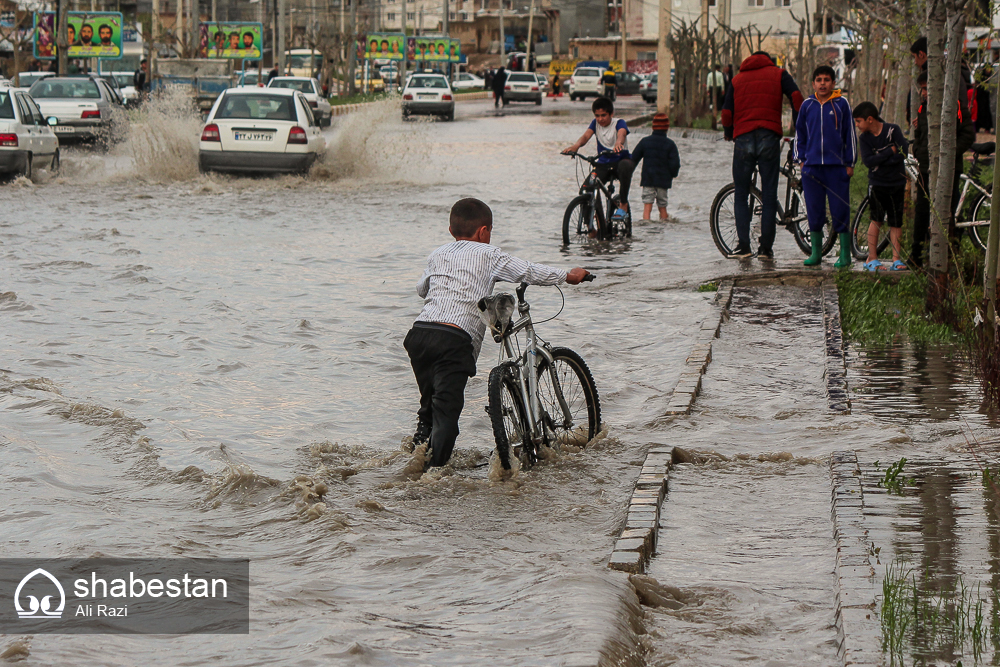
point(826, 147)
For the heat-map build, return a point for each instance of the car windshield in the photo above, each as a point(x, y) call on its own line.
point(6, 105)
point(123, 79)
point(250, 77)
point(525, 77)
point(256, 107)
point(587, 72)
point(28, 78)
point(293, 84)
point(428, 82)
point(61, 88)
point(302, 62)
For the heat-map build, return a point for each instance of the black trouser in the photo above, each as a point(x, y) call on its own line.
point(498, 98)
point(623, 171)
point(922, 213)
point(443, 360)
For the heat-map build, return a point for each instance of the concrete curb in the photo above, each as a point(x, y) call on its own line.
point(637, 542)
point(836, 366)
point(343, 109)
point(858, 627)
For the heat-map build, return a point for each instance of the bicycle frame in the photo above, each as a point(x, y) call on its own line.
point(969, 183)
point(591, 185)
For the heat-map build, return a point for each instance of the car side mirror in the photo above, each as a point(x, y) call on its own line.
point(51, 121)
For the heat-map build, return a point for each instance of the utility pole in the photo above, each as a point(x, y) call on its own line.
point(280, 26)
point(215, 10)
point(444, 20)
point(402, 63)
point(194, 16)
point(154, 33)
point(179, 26)
point(62, 36)
point(352, 48)
point(503, 40)
point(531, 18)
point(624, 29)
point(663, 58)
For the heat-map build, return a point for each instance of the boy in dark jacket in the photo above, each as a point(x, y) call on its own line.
point(883, 150)
point(826, 147)
point(659, 168)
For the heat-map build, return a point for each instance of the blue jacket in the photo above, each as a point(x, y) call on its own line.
point(660, 160)
point(824, 133)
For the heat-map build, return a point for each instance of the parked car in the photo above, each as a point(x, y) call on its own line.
point(585, 82)
point(375, 82)
point(467, 81)
point(26, 138)
point(389, 74)
point(125, 85)
point(522, 87)
point(428, 94)
point(626, 83)
point(82, 106)
point(314, 95)
point(250, 78)
point(649, 92)
point(253, 130)
point(543, 82)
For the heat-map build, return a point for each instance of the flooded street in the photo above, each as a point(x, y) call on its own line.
point(184, 358)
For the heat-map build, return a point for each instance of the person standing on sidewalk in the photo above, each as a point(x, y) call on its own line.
point(751, 116)
point(827, 147)
point(499, 81)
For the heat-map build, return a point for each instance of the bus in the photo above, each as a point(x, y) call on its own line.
point(297, 62)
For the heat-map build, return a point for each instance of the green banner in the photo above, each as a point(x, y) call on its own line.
point(91, 35)
point(231, 40)
point(434, 49)
point(384, 46)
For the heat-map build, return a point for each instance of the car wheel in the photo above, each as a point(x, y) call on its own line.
point(539, 101)
point(572, 97)
point(450, 117)
point(26, 172)
point(54, 167)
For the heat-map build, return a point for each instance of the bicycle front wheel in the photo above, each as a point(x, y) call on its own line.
point(508, 417)
point(568, 377)
point(576, 220)
point(801, 228)
point(722, 219)
point(980, 217)
point(859, 232)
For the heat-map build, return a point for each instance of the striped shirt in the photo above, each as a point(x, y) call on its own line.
point(461, 273)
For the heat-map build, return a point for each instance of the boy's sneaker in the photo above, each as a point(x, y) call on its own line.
point(619, 214)
point(741, 252)
point(765, 254)
point(422, 434)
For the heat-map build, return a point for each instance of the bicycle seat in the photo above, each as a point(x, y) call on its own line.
point(497, 310)
point(985, 148)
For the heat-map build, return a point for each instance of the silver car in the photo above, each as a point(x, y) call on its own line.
point(82, 106)
point(313, 92)
point(522, 87)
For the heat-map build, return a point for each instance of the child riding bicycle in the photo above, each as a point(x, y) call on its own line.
point(613, 159)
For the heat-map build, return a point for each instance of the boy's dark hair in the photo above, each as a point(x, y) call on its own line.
point(922, 79)
point(603, 104)
point(866, 110)
point(919, 45)
point(468, 215)
point(825, 69)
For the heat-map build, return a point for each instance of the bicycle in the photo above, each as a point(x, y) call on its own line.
point(542, 396)
point(792, 216)
point(975, 216)
point(585, 210)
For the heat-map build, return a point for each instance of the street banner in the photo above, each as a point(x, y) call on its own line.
point(434, 49)
point(385, 46)
point(91, 35)
point(231, 40)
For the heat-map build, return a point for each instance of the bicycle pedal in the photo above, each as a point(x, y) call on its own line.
point(486, 409)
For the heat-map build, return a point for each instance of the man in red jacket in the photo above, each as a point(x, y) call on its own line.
point(751, 116)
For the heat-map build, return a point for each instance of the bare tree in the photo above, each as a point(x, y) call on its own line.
point(20, 36)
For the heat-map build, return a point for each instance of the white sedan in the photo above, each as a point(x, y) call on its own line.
point(260, 130)
point(466, 81)
point(429, 94)
point(314, 95)
point(26, 140)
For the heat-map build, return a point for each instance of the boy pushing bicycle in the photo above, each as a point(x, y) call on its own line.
point(446, 337)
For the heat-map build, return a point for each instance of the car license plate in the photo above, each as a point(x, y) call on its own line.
point(426, 96)
point(520, 87)
point(253, 136)
point(68, 129)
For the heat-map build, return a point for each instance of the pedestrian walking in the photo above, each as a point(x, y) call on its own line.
point(446, 337)
point(140, 81)
point(751, 117)
point(499, 81)
point(883, 150)
point(827, 148)
point(660, 166)
point(715, 88)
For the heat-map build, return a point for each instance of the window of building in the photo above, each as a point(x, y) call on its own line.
point(645, 55)
point(782, 3)
point(451, 16)
point(391, 16)
point(755, 3)
point(711, 3)
point(411, 16)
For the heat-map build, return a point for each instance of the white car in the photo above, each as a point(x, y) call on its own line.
point(270, 130)
point(82, 105)
point(314, 95)
point(466, 81)
point(26, 140)
point(428, 94)
point(543, 82)
point(126, 85)
point(586, 81)
point(26, 79)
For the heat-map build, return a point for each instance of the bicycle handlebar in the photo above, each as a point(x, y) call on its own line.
point(587, 158)
point(523, 287)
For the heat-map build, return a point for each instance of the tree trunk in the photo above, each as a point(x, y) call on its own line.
point(935, 90)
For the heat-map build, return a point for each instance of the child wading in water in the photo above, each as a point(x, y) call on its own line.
point(660, 164)
point(445, 340)
point(883, 150)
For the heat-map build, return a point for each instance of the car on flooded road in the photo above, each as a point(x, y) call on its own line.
point(429, 95)
point(26, 139)
point(522, 87)
point(254, 130)
point(82, 106)
point(314, 95)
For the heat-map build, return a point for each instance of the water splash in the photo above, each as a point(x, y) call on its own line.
point(162, 138)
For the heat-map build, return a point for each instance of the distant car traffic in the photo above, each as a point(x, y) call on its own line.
point(82, 106)
point(586, 81)
point(627, 83)
point(467, 81)
point(543, 82)
point(375, 82)
point(27, 79)
point(26, 140)
point(522, 87)
point(266, 131)
point(428, 94)
point(389, 74)
point(314, 95)
point(126, 85)
point(649, 91)
point(250, 78)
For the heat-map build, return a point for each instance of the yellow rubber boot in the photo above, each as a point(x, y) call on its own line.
point(817, 253)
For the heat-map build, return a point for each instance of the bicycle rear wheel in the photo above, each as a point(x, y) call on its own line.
point(859, 233)
point(801, 228)
point(569, 376)
point(980, 215)
point(576, 221)
point(509, 418)
point(722, 219)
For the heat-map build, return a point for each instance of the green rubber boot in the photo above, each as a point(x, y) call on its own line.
point(817, 254)
point(845, 252)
